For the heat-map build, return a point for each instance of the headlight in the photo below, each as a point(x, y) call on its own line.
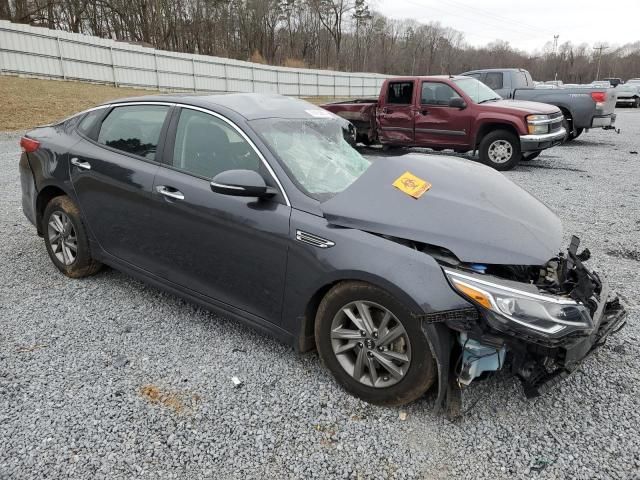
point(538, 124)
point(547, 315)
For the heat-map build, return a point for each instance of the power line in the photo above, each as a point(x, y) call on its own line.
point(475, 19)
point(600, 49)
point(499, 17)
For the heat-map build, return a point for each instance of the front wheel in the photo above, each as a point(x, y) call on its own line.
point(66, 239)
point(500, 149)
point(372, 345)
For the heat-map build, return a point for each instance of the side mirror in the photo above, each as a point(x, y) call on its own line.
point(241, 183)
point(457, 102)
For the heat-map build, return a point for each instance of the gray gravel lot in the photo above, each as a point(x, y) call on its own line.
point(109, 378)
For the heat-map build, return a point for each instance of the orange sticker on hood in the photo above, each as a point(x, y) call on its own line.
point(411, 185)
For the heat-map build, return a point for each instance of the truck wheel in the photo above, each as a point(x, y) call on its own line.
point(374, 347)
point(636, 104)
point(500, 149)
point(578, 133)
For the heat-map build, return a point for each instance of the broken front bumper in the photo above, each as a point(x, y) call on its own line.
point(546, 367)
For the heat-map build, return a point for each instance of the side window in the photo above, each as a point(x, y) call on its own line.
point(474, 75)
point(435, 93)
point(88, 122)
point(134, 129)
point(519, 80)
point(400, 93)
point(206, 146)
point(493, 80)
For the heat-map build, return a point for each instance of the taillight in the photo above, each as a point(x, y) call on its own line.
point(599, 97)
point(29, 145)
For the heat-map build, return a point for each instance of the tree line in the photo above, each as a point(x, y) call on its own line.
point(329, 34)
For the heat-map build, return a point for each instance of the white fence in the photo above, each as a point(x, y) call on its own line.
point(56, 54)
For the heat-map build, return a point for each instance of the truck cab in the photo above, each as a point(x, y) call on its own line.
point(459, 113)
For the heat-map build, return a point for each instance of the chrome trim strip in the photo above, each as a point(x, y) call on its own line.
point(223, 185)
point(545, 137)
point(397, 129)
point(313, 240)
point(460, 133)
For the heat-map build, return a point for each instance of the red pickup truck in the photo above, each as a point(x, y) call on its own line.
point(454, 112)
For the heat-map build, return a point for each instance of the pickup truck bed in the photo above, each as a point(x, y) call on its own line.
point(583, 108)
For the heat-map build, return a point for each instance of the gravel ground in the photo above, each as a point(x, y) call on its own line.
point(109, 378)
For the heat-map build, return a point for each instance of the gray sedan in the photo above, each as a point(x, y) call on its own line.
point(403, 272)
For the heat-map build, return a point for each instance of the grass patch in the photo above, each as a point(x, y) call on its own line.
point(29, 102)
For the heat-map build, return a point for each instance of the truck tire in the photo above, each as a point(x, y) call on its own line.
point(636, 104)
point(500, 149)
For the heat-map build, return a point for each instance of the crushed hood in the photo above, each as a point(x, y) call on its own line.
point(470, 209)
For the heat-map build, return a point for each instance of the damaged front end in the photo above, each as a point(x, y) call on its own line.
point(541, 322)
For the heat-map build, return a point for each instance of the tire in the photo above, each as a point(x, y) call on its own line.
point(526, 157)
point(636, 104)
point(578, 133)
point(62, 215)
point(417, 375)
point(567, 126)
point(500, 149)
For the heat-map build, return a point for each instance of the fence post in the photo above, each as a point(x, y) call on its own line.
point(317, 84)
point(298, 73)
point(253, 80)
point(334, 85)
point(64, 76)
point(226, 78)
point(193, 71)
point(113, 67)
point(155, 66)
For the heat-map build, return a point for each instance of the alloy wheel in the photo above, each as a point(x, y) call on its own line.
point(371, 344)
point(62, 238)
point(500, 151)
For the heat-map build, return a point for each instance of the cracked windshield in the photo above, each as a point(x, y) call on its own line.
point(316, 153)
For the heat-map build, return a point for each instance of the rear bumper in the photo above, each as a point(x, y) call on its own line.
point(530, 143)
point(604, 121)
point(630, 100)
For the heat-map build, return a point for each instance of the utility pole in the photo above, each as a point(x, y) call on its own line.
point(555, 54)
point(600, 49)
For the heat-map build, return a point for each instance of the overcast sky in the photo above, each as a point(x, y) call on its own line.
point(527, 25)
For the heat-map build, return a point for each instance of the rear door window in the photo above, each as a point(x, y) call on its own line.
point(134, 129)
point(400, 93)
point(493, 80)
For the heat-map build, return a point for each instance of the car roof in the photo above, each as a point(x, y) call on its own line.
point(251, 106)
point(495, 70)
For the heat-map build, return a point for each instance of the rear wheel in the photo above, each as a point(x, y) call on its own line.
point(636, 104)
point(372, 345)
point(66, 239)
point(500, 149)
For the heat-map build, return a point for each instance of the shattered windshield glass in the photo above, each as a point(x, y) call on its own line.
point(315, 152)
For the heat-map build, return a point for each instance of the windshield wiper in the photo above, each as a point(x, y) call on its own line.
point(493, 99)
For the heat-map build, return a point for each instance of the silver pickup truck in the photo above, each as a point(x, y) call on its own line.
point(583, 108)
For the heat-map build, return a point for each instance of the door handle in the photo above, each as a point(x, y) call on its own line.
point(80, 164)
point(170, 192)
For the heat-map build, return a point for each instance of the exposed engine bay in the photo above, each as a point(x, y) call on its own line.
point(538, 321)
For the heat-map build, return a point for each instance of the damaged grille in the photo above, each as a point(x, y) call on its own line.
point(462, 314)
